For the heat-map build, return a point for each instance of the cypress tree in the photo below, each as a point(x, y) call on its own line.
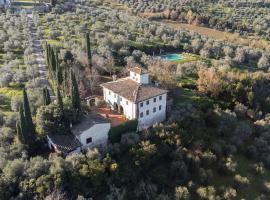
point(88, 50)
point(59, 75)
point(59, 99)
point(46, 97)
point(75, 94)
point(28, 119)
point(47, 53)
point(21, 127)
point(53, 61)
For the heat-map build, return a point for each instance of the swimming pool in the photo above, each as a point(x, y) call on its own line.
point(172, 57)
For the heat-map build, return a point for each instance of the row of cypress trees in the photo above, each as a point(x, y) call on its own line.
point(53, 63)
point(25, 126)
point(63, 78)
point(57, 78)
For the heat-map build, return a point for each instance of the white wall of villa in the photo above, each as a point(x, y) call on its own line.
point(129, 108)
point(152, 111)
point(148, 112)
point(142, 79)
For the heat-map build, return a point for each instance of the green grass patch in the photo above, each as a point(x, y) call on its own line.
point(189, 96)
point(11, 91)
point(54, 42)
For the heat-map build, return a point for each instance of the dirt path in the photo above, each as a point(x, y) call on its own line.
point(38, 53)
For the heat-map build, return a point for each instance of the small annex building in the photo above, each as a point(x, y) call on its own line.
point(91, 132)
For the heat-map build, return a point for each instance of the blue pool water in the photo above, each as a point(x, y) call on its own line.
point(172, 57)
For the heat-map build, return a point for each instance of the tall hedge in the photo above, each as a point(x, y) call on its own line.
point(116, 132)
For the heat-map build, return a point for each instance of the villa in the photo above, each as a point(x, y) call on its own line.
point(133, 97)
point(136, 98)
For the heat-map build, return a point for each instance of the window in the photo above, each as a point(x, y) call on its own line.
point(141, 104)
point(147, 112)
point(109, 92)
point(155, 99)
point(114, 95)
point(141, 115)
point(147, 102)
point(160, 107)
point(120, 99)
point(127, 102)
point(154, 109)
point(160, 97)
point(88, 140)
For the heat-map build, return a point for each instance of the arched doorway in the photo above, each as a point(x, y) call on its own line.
point(115, 107)
point(121, 111)
point(91, 102)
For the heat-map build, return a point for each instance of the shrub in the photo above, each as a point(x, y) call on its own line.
point(258, 168)
point(181, 193)
point(116, 133)
point(229, 193)
point(241, 181)
point(206, 192)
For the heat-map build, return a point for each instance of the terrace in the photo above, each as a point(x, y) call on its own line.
point(105, 111)
point(115, 118)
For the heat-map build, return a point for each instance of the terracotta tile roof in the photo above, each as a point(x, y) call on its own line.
point(133, 91)
point(138, 70)
point(65, 143)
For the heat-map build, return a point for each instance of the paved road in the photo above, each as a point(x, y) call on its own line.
point(38, 53)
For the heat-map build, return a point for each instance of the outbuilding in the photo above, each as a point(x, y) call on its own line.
point(92, 131)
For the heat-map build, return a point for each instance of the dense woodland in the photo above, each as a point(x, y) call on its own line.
point(215, 142)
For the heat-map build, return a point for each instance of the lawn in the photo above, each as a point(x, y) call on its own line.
point(189, 96)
